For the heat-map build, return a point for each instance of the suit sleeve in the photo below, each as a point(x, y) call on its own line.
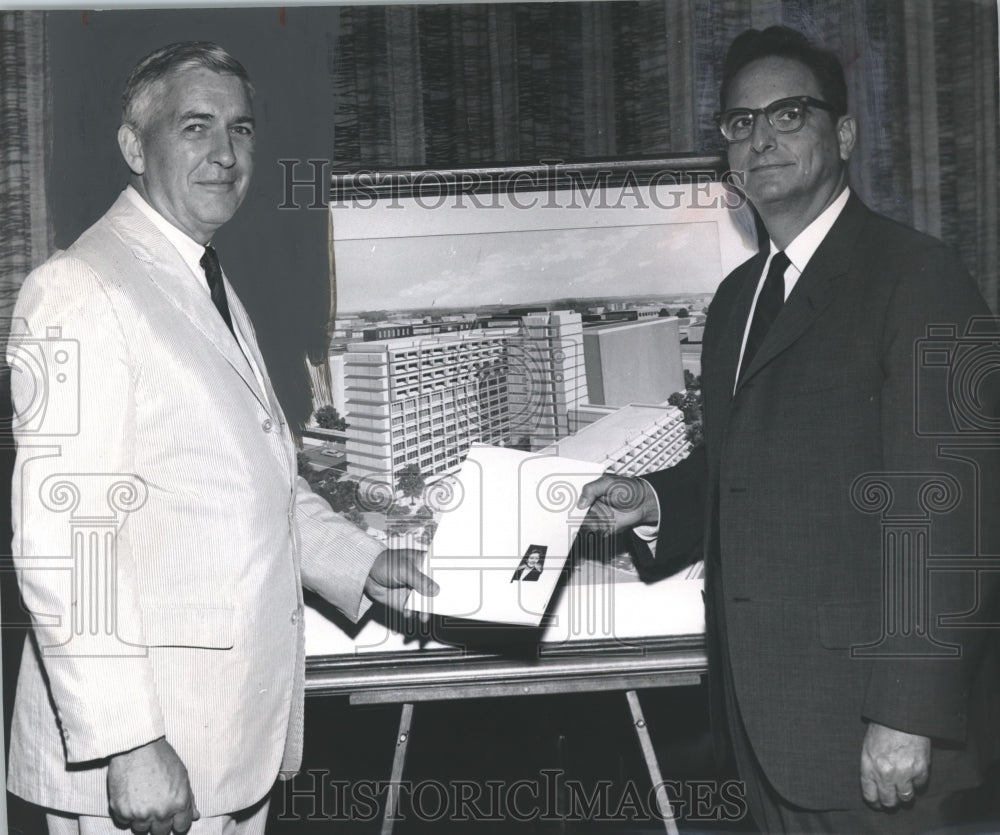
point(927, 696)
point(680, 491)
point(336, 555)
point(74, 559)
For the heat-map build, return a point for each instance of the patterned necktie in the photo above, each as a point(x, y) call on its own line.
point(213, 272)
point(769, 302)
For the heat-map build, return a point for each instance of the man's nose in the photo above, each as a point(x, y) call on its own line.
point(222, 149)
point(762, 136)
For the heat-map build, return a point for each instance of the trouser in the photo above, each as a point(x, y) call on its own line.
point(247, 822)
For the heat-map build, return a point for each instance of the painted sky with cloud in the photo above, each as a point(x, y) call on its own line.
point(525, 267)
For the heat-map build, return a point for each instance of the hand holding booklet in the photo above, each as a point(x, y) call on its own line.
point(506, 528)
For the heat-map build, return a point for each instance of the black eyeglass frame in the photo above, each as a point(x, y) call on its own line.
point(803, 101)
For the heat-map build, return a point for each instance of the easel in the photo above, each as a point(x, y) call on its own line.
point(445, 674)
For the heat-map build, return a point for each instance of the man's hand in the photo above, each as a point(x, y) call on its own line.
point(148, 790)
point(392, 576)
point(894, 766)
point(618, 503)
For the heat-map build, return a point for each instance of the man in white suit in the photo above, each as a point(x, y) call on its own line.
point(161, 533)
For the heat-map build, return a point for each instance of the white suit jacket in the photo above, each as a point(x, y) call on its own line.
point(161, 533)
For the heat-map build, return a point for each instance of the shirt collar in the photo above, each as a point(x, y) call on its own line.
point(805, 244)
point(190, 250)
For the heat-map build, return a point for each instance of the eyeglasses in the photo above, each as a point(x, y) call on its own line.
point(784, 115)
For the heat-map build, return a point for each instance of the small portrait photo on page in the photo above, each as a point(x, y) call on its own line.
point(530, 568)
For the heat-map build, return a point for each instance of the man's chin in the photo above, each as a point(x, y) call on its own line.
point(763, 192)
point(219, 212)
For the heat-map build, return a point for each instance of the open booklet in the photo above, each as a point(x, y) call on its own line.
point(508, 520)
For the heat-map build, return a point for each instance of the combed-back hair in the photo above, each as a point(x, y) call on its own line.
point(782, 42)
point(139, 94)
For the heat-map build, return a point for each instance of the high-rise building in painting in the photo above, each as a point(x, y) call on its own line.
point(633, 362)
point(424, 400)
point(547, 376)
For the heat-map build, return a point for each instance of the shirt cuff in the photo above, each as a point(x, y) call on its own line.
point(649, 533)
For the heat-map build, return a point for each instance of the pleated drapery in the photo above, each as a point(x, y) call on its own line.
point(25, 233)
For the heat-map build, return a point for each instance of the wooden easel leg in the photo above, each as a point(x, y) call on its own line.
point(652, 765)
point(398, 762)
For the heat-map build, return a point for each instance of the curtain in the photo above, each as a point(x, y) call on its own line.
point(25, 234)
point(509, 83)
point(959, 204)
point(434, 85)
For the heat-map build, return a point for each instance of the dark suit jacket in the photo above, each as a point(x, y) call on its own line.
point(795, 560)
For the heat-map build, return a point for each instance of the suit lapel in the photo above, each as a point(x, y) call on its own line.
point(815, 288)
point(241, 320)
point(732, 334)
point(168, 273)
point(242, 323)
point(727, 317)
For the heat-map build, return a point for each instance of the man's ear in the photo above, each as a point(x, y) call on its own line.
point(847, 136)
point(131, 147)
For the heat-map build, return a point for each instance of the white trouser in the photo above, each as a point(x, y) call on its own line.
point(248, 822)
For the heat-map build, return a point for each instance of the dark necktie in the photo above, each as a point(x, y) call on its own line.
point(213, 272)
point(769, 302)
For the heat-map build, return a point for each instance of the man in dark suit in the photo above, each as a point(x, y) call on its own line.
point(812, 408)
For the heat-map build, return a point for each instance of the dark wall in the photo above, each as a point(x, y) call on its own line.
point(276, 259)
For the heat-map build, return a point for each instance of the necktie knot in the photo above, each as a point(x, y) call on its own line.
point(210, 262)
point(216, 286)
point(779, 263)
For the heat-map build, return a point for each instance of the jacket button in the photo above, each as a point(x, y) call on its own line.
point(295, 617)
point(266, 425)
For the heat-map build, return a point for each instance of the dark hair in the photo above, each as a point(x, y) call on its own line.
point(782, 42)
point(148, 74)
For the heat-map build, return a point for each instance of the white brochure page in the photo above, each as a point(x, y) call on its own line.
point(507, 524)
